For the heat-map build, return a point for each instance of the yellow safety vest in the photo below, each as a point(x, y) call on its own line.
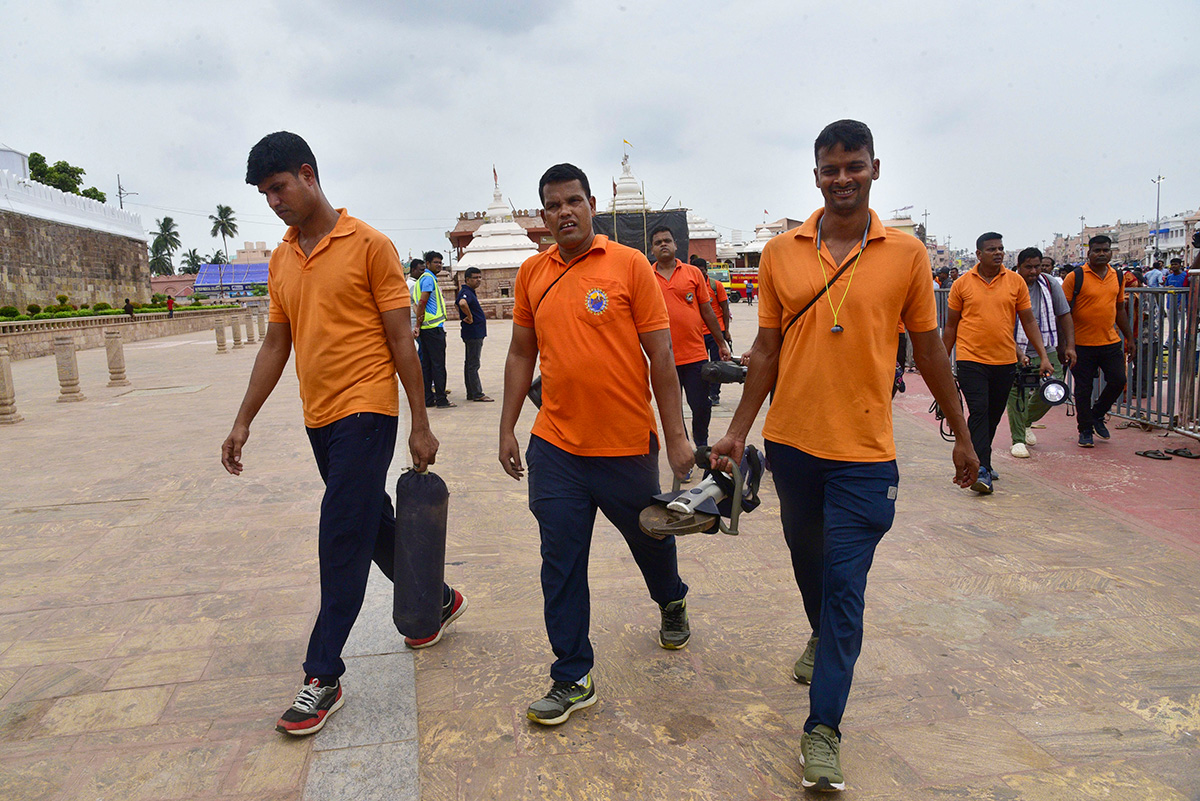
point(439, 316)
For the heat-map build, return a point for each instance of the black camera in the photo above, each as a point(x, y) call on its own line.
point(1029, 380)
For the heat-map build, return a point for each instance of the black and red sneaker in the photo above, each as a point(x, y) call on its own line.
point(450, 613)
point(312, 707)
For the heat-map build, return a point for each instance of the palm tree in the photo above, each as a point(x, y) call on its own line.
point(160, 258)
point(224, 224)
point(217, 257)
point(191, 262)
point(168, 234)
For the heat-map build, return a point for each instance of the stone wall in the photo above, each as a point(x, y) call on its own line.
point(28, 340)
point(40, 259)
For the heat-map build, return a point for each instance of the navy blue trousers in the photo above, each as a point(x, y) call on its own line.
point(357, 526)
point(565, 491)
point(714, 355)
point(696, 392)
point(833, 514)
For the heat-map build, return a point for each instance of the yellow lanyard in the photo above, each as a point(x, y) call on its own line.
point(837, 329)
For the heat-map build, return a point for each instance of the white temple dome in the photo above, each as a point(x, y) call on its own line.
point(500, 242)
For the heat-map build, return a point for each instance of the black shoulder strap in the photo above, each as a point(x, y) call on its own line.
point(1078, 273)
point(547, 292)
point(816, 297)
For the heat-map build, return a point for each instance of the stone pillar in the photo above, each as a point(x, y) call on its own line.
point(237, 331)
point(261, 317)
point(116, 359)
point(249, 325)
point(8, 395)
point(220, 329)
point(68, 369)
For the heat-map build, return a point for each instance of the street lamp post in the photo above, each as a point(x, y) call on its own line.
point(1157, 181)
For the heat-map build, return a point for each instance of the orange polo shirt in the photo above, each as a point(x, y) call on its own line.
point(833, 397)
point(989, 315)
point(1095, 310)
point(684, 292)
point(719, 296)
point(331, 300)
point(595, 377)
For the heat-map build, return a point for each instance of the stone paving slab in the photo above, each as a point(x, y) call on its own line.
point(1041, 643)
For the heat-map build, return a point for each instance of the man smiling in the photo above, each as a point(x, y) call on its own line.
point(833, 293)
point(592, 312)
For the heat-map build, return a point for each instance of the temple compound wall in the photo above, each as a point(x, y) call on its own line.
point(54, 243)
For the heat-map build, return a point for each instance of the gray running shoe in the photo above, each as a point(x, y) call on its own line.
point(563, 699)
point(803, 669)
point(674, 633)
point(820, 757)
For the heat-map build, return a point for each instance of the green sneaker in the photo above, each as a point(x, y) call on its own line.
point(819, 756)
point(563, 699)
point(674, 633)
point(803, 669)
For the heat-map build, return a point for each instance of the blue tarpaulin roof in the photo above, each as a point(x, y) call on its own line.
point(230, 275)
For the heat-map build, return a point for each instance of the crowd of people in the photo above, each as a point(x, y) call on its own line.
point(612, 333)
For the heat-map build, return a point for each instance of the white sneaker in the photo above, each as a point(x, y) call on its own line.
point(1019, 450)
point(1030, 438)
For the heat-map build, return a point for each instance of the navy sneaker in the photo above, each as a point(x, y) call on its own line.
point(1101, 429)
point(983, 484)
point(1085, 439)
point(995, 476)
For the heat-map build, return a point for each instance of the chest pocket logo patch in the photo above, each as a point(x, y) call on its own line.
point(689, 297)
point(596, 301)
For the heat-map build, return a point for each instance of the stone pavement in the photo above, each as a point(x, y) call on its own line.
point(1041, 643)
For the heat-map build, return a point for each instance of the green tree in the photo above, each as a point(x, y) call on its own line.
point(62, 176)
point(160, 258)
point(191, 262)
point(217, 257)
point(224, 224)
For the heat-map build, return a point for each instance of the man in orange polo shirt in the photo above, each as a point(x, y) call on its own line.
point(688, 299)
point(591, 310)
point(1098, 310)
point(984, 307)
point(827, 346)
point(338, 295)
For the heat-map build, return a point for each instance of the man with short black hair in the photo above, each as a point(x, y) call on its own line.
point(1053, 315)
point(689, 305)
point(338, 295)
point(985, 307)
point(415, 268)
point(833, 293)
point(473, 327)
point(431, 329)
point(589, 309)
point(1097, 300)
point(1177, 278)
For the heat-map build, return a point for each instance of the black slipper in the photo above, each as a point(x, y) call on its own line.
point(1162, 457)
point(1185, 453)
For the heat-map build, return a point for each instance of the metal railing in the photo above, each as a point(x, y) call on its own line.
point(1163, 378)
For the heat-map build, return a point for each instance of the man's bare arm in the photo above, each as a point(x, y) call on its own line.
point(669, 397)
point(518, 376)
point(714, 328)
point(421, 443)
point(950, 330)
point(268, 367)
point(760, 380)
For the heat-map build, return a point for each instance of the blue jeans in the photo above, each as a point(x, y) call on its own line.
point(565, 491)
point(833, 514)
point(357, 527)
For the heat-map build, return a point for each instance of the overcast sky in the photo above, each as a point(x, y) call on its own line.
point(1017, 116)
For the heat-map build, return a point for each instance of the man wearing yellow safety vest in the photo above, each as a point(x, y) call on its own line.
point(430, 329)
